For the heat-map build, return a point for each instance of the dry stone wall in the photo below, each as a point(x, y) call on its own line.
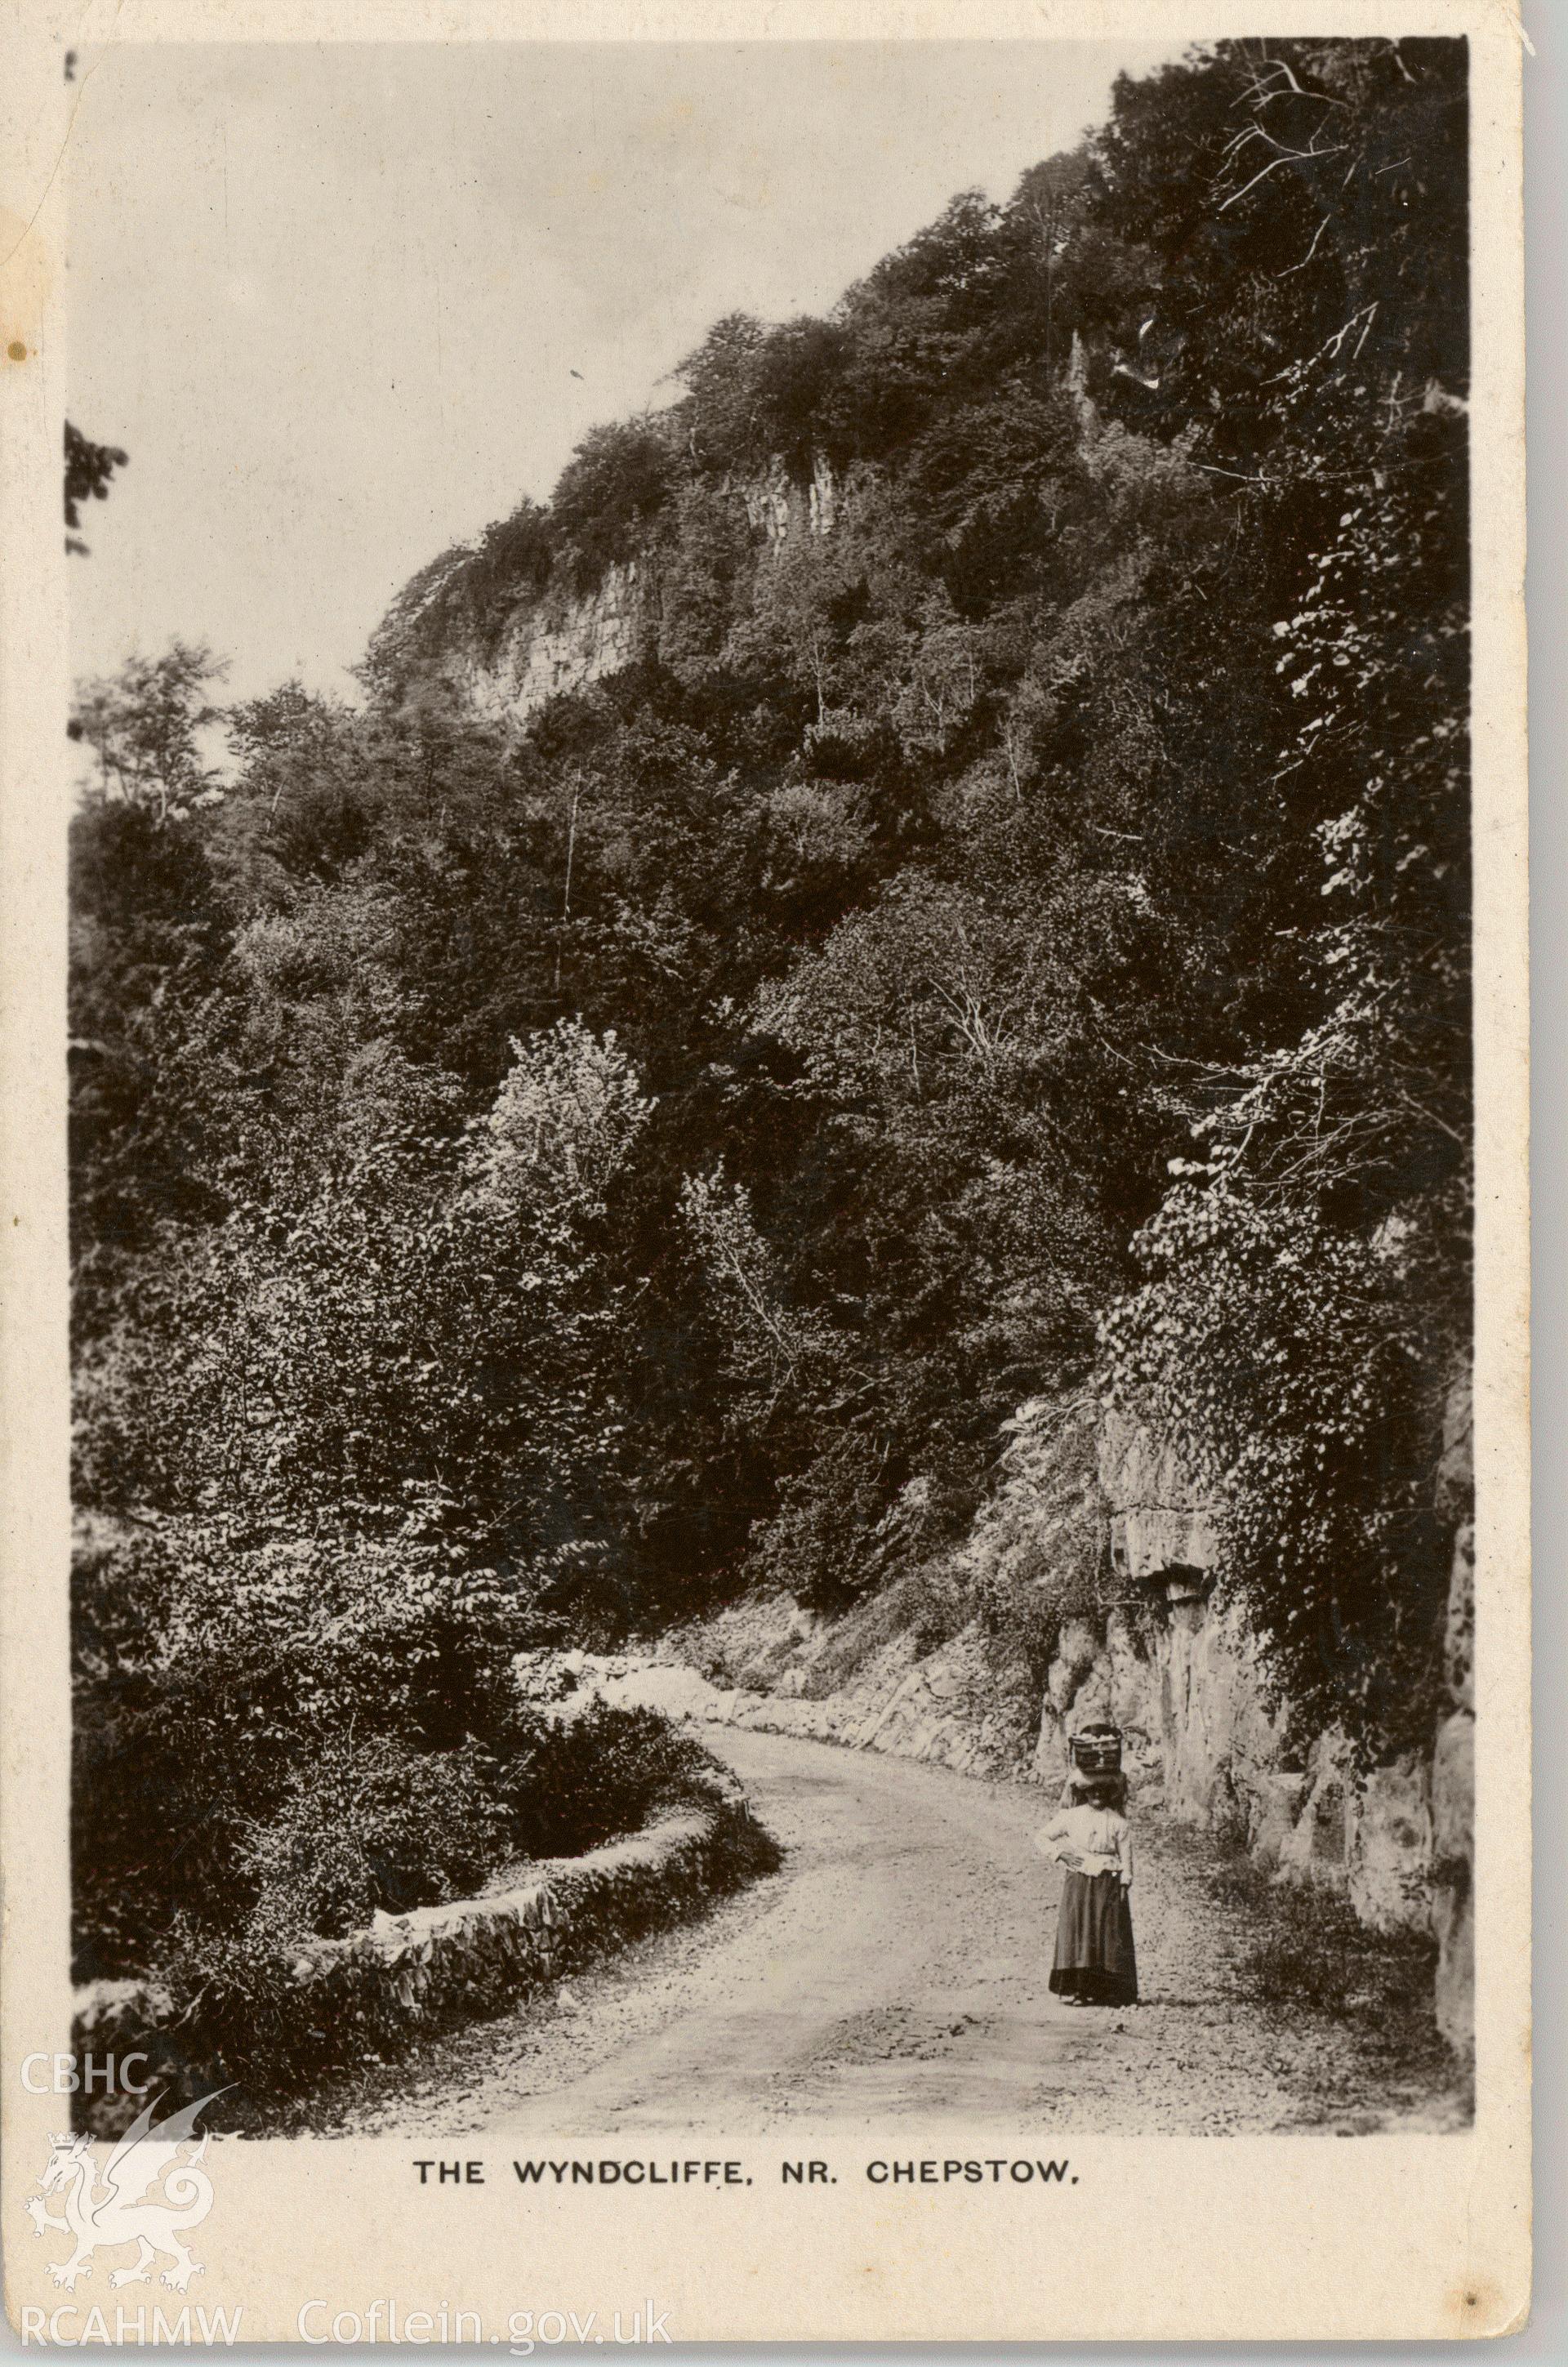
point(376, 1992)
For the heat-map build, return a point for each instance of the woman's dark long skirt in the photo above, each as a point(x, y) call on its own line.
point(1094, 1942)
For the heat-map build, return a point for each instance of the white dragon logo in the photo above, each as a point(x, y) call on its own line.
point(119, 2208)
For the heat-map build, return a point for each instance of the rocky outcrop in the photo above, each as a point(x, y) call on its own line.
point(781, 506)
point(551, 646)
point(557, 643)
point(1184, 1683)
point(945, 1706)
point(1180, 1674)
point(1161, 1520)
point(1187, 1686)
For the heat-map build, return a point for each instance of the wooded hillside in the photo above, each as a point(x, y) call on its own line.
point(536, 1177)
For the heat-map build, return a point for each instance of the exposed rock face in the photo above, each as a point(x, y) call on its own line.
point(546, 648)
point(1188, 1686)
point(950, 1706)
point(556, 643)
point(1185, 1690)
point(1183, 1679)
point(1161, 1520)
point(780, 506)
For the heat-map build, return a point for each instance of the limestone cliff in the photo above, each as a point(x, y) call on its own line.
point(545, 642)
point(1181, 1674)
point(551, 647)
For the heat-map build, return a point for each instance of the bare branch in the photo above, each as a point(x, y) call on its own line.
point(1287, 156)
point(1307, 257)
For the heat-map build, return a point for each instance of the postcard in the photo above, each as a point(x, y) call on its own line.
point(765, 1289)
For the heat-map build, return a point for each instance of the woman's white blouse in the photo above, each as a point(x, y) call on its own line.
point(1102, 1837)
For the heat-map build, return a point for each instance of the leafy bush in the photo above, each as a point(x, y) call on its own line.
point(821, 1542)
point(759, 396)
point(793, 375)
point(608, 496)
point(370, 1825)
point(473, 590)
point(424, 1343)
point(278, 1741)
point(214, 1678)
point(599, 1775)
point(253, 2014)
point(722, 425)
point(511, 564)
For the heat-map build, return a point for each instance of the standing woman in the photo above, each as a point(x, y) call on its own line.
point(1095, 1964)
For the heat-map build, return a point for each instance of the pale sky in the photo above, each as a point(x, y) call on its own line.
point(331, 299)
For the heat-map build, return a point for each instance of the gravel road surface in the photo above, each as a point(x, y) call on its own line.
point(895, 1967)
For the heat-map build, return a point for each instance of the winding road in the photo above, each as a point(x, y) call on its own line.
point(895, 1968)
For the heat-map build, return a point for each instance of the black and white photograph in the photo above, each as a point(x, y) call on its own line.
point(773, 1134)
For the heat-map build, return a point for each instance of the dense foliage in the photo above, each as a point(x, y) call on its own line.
point(289, 1736)
point(1005, 934)
point(89, 469)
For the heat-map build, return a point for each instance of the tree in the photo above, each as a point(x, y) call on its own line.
point(88, 469)
point(146, 728)
point(608, 495)
point(654, 1143)
point(1305, 1299)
